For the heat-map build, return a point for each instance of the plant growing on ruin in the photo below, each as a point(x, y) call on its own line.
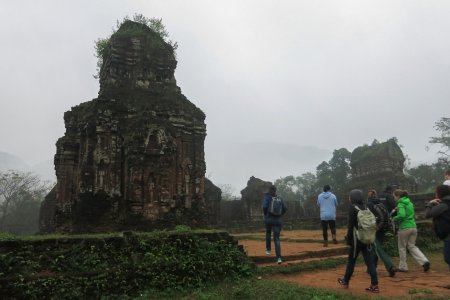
point(102, 44)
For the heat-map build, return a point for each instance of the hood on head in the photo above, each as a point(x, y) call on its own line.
point(356, 197)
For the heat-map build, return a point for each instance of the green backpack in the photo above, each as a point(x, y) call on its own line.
point(367, 226)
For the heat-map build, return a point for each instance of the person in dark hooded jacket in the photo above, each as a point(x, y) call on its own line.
point(439, 210)
point(372, 200)
point(357, 199)
point(273, 223)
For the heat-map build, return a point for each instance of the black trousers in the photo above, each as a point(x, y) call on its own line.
point(332, 225)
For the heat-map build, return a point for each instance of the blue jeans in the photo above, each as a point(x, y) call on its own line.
point(275, 225)
point(447, 252)
point(368, 259)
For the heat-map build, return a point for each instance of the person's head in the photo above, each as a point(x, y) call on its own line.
point(273, 190)
point(442, 190)
point(326, 188)
point(356, 197)
point(398, 193)
point(447, 174)
point(388, 189)
point(371, 194)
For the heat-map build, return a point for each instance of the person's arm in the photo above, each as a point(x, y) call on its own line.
point(284, 207)
point(352, 221)
point(434, 208)
point(401, 213)
point(265, 205)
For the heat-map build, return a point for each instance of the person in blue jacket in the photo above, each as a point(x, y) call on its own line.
point(327, 203)
point(273, 222)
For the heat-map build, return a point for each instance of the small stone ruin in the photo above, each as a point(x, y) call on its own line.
point(133, 158)
point(253, 195)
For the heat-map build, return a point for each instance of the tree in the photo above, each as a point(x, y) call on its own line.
point(324, 174)
point(340, 168)
point(298, 188)
point(442, 126)
point(102, 44)
point(307, 184)
point(20, 193)
point(227, 192)
point(426, 176)
point(287, 188)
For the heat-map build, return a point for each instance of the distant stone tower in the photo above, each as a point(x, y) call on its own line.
point(379, 165)
point(253, 196)
point(134, 157)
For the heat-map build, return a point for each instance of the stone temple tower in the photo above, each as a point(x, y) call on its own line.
point(133, 158)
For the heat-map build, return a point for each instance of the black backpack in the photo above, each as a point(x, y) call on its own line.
point(382, 216)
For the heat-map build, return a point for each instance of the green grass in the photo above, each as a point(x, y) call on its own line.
point(253, 288)
point(302, 267)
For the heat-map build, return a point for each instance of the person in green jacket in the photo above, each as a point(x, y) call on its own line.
point(407, 233)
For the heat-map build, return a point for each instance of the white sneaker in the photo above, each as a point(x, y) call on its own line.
point(267, 252)
point(279, 261)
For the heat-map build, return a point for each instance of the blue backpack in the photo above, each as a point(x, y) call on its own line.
point(276, 207)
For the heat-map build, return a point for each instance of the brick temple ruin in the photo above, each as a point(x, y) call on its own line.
point(379, 165)
point(133, 158)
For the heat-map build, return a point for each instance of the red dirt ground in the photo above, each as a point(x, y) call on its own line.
point(435, 282)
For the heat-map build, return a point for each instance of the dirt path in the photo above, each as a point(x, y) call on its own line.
point(413, 283)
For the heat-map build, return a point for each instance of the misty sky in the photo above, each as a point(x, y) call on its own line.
point(329, 73)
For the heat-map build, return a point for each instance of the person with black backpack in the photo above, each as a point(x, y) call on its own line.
point(273, 208)
point(381, 213)
point(354, 240)
point(439, 210)
point(387, 199)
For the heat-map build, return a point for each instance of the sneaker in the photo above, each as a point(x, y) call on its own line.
point(373, 289)
point(426, 266)
point(402, 270)
point(335, 241)
point(343, 283)
point(325, 243)
point(268, 252)
point(392, 272)
point(279, 260)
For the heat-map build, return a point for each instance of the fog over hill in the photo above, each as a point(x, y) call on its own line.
point(44, 169)
point(235, 163)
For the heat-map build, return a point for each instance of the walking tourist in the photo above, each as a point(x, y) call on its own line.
point(439, 210)
point(356, 246)
point(327, 203)
point(381, 213)
point(387, 199)
point(407, 233)
point(273, 208)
